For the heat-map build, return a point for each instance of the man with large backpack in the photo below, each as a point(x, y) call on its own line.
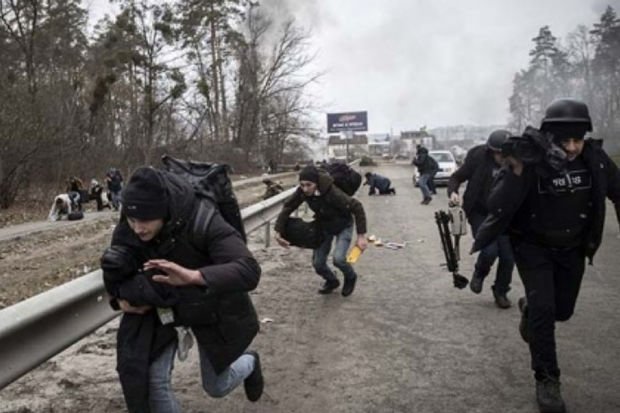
point(176, 264)
point(428, 167)
point(334, 211)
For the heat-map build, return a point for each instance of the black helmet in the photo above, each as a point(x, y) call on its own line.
point(497, 138)
point(567, 111)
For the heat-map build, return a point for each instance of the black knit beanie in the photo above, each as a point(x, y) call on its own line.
point(309, 173)
point(145, 195)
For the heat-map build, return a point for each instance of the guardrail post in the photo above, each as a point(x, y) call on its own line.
point(267, 234)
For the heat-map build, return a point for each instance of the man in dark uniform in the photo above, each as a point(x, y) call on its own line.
point(554, 211)
point(481, 165)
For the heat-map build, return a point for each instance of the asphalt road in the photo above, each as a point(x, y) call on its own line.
point(405, 341)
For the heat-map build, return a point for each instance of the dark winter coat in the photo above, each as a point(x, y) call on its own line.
point(378, 182)
point(512, 201)
point(332, 207)
point(425, 163)
point(477, 170)
point(194, 236)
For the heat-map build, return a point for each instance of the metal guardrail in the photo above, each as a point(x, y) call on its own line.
point(38, 328)
point(258, 179)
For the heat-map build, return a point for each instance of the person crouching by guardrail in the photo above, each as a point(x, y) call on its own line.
point(175, 264)
point(334, 210)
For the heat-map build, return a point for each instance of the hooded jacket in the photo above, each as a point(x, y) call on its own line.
point(512, 201)
point(332, 208)
point(197, 237)
point(425, 163)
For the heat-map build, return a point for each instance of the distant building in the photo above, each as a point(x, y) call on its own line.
point(379, 148)
point(337, 147)
point(410, 139)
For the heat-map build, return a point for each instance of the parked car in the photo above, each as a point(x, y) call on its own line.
point(447, 166)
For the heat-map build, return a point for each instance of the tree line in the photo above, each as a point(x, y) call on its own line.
point(216, 80)
point(585, 65)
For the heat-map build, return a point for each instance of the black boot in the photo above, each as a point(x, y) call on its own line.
point(548, 395)
point(523, 328)
point(476, 283)
point(349, 286)
point(329, 286)
point(501, 300)
point(254, 383)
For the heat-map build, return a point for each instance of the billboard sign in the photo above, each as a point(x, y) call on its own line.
point(350, 121)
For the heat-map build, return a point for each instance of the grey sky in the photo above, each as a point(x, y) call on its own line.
point(411, 63)
point(442, 62)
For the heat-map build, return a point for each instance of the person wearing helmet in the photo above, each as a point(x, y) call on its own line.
point(554, 215)
point(481, 165)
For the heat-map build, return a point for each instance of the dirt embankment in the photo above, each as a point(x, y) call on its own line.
point(37, 262)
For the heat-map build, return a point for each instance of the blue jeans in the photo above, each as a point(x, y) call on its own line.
point(425, 185)
point(161, 396)
point(498, 248)
point(115, 199)
point(319, 255)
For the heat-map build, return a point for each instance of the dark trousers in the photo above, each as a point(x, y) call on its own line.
point(501, 248)
point(373, 190)
point(552, 278)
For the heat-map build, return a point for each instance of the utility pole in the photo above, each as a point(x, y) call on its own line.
point(347, 135)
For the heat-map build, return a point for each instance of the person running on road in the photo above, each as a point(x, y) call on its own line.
point(554, 210)
point(427, 167)
point(334, 210)
point(481, 165)
point(174, 263)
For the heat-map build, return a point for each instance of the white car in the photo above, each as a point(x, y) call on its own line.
point(447, 166)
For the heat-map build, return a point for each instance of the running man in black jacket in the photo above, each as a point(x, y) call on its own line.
point(481, 165)
point(335, 211)
point(555, 216)
point(174, 264)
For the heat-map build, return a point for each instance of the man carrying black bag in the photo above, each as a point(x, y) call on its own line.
point(174, 263)
point(334, 211)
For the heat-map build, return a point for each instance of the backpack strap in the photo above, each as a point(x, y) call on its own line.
point(200, 223)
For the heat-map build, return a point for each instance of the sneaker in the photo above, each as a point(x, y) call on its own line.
point(349, 286)
point(501, 300)
point(548, 395)
point(476, 283)
point(329, 286)
point(185, 342)
point(522, 304)
point(426, 201)
point(254, 383)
